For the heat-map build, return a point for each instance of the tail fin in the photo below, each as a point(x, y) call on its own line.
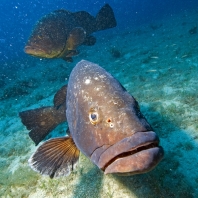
point(105, 18)
point(42, 121)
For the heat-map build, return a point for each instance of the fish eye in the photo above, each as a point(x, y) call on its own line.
point(93, 116)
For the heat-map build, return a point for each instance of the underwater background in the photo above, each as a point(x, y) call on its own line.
point(153, 52)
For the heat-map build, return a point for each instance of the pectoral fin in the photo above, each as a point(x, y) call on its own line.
point(68, 59)
point(76, 38)
point(56, 157)
point(68, 56)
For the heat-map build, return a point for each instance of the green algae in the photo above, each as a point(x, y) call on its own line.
point(169, 113)
point(15, 184)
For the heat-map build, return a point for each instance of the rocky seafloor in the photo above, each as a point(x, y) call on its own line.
point(158, 64)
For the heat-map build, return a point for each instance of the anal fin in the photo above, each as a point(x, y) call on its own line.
point(56, 157)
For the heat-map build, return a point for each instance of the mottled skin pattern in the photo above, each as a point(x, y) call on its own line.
point(59, 33)
point(48, 38)
point(105, 123)
point(93, 90)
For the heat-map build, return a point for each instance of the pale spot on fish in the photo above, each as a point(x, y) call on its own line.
point(97, 88)
point(102, 76)
point(87, 81)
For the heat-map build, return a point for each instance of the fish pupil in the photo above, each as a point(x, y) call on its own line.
point(93, 116)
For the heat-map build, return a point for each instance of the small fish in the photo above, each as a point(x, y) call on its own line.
point(59, 33)
point(154, 57)
point(105, 124)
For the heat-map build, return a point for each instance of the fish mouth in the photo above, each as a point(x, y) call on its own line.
point(136, 154)
point(35, 51)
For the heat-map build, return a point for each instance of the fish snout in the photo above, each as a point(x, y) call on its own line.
point(35, 51)
point(136, 154)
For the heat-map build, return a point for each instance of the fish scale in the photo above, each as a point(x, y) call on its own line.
point(107, 127)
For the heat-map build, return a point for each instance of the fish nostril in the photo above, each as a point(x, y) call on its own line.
point(111, 125)
point(109, 121)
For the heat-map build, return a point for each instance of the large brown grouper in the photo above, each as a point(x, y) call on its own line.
point(105, 123)
point(59, 33)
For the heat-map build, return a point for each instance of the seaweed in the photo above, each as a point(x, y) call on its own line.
point(193, 30)
point(12, 92)
point(14, 185)
point(19, 88)
point(155, 26)
point(2, 83)
point(115, 53)
point(30, 83)
point(138, 32)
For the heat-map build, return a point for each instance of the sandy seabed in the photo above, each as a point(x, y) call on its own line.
point(158, 64)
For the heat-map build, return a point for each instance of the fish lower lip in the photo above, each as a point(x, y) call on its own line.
point(132, 152)
point(141, 147)
point(140, 162)
point(32, 50)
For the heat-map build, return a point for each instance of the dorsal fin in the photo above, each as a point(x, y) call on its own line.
point(56, 157)
point(86, 21)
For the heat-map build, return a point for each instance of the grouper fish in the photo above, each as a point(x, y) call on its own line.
point(104, 123)
point(59, 33)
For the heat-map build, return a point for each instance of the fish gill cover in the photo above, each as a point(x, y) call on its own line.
point(152, 52)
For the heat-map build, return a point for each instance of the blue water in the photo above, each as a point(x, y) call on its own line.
point(18, 17)
point(153, 55)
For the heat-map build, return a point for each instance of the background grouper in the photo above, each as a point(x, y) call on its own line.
point(59, 33)
point(105, 123)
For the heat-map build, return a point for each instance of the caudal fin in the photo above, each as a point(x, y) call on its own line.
point(55, 157)
point(105, 18)
point(42, 121)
